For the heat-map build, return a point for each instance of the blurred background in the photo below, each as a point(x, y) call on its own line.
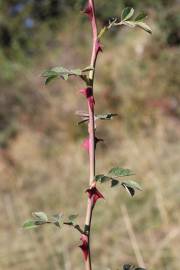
point(42, 164)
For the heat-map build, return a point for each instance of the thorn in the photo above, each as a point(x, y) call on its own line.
point(88, 93)
point(99, 47)
point(84, 246)
point(94, 194)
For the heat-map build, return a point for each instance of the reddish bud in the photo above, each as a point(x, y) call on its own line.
point(94, 194)
point(84, 246)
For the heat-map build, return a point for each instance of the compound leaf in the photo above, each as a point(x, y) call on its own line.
point(63, 73)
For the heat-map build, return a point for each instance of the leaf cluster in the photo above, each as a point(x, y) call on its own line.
point(127, 19)
point(64, 73)
point(41, 218)
point(112, 176)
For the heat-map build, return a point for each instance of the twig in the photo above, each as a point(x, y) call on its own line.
point(76, 226)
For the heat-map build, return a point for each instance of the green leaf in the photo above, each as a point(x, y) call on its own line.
point(144, 26)
point(134, 184)
point(29, 224)
point(105, 179)
point(141, 16)
point(48, 73)
point(127, 13)
point(40, 216)
point(56, 72)
point(63, 73)
point(130, 190)
point(50, 78)
point(72, 217)
point(114, 182)
point(120, 172)
point(99, 177)
point(131, 187)
point(102, 178)
point(57, 220)
point(76, 72)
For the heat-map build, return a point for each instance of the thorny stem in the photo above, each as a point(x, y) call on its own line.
point(91, 130)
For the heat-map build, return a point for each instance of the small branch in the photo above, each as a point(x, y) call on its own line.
point(112, 23)
point(108, 27)
point(76, 226)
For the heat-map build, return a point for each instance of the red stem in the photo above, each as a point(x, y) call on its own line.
point(91, 130)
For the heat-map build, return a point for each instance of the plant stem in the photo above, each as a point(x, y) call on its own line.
point(91, 130)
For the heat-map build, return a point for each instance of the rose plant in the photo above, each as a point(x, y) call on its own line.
point(115, 176)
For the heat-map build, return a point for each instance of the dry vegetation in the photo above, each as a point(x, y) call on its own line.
point(43, 166)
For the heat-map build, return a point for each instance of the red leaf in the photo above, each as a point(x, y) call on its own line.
point(84, 246)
